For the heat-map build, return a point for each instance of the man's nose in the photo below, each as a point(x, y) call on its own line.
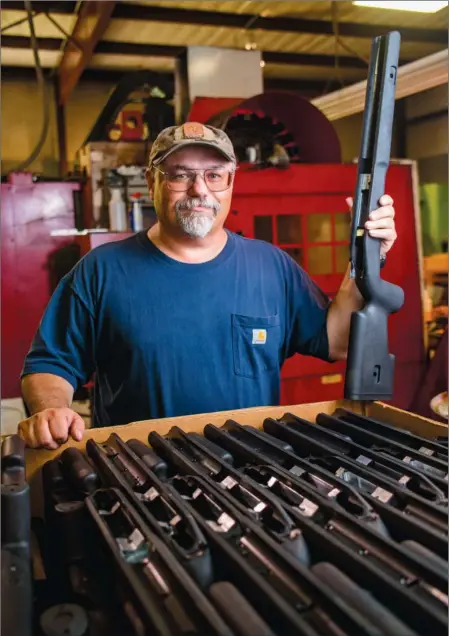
point(198, 187)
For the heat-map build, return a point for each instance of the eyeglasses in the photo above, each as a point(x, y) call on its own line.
point(216, 179)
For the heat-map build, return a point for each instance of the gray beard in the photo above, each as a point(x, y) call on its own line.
point(195, 224)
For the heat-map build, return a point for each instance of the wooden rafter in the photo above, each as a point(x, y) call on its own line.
point(92, 21)
point(131, 11)
point(164, 50)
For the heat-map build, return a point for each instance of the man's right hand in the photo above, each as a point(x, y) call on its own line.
point(51, 428)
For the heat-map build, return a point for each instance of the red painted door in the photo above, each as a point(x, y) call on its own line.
point(29, 214)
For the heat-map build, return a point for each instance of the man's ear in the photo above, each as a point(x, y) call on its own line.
point(149, 176)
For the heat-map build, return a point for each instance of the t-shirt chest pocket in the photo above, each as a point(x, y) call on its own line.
point(256, 343)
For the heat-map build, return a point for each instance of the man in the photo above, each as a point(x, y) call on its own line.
point(187, 317)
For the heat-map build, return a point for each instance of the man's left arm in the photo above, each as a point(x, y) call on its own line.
point(348, 299)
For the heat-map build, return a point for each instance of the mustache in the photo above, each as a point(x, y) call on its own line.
point(197, 202)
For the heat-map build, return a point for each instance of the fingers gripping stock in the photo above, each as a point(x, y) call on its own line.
point(370, 366)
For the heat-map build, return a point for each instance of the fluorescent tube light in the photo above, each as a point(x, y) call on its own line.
point(419, 6)
point(414, 77)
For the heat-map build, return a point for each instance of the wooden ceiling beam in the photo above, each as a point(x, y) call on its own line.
point(110, 76)
point(274, 57)
point(22, 42)
point(158, 50)
point(142, 50)
point(249, 21)
point(91, 24)
point(42, 6)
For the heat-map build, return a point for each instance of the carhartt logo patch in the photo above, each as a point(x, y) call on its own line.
point(259, 336)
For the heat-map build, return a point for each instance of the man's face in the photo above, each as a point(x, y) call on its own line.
point(197, 211)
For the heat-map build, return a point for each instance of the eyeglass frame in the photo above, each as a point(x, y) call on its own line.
point(202, 174)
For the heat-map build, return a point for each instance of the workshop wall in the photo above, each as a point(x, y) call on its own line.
point(434, 169)
point(22, 116)
point(427, 138)
point(21, 119)
point(82, 110)
point(427, 133)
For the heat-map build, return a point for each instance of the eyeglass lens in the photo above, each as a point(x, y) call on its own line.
point(215, 179)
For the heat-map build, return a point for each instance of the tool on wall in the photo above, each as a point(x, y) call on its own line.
point(154, 109)
point(370, 366)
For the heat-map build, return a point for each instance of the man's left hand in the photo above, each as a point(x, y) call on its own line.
point(381, 223)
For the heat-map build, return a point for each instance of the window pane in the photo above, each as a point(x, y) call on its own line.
point(342, 226)
point(295, 253)
point(342, 257)
point(263, 228)
point(320, 260)
point(319, 228)
point(289, 228)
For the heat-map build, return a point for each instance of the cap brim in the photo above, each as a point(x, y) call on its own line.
point(192, 142)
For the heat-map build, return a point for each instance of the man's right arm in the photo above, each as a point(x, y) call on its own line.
point(61, 358)
point(48, 398)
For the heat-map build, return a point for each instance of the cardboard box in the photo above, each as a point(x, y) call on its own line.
point(195, 423)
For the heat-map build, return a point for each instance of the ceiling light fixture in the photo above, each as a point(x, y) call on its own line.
point(419, 6)
point(414, 77)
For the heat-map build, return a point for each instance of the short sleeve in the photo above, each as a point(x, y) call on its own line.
point(307, 308)
point(64, 342)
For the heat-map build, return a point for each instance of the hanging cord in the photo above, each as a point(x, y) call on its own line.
point(338, 40)
point(335, 29)
point(45, 98)
point(35, 13)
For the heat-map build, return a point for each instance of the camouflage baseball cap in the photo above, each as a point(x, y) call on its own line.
point(189, 134)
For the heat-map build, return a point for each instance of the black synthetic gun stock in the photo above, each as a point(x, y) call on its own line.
point(388, 431)
point(347, 589)
point(370, 366)
point(251, 447)
point(419, 565)
point(17, 584)
point(403, 473)
point(394, 522)
point(322, 524)
point(271, 579)
point(149, 457)
point(193, 458)
point(164, 512)
point(70, 552)
point(16, 595)
point(430, 465)
point(239, 614)
point(369, 480)
point(15, 498)
point(358, 530)
point(159, 596)
point(78, 470)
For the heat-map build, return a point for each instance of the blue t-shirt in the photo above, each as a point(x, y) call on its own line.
point(165, 338)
